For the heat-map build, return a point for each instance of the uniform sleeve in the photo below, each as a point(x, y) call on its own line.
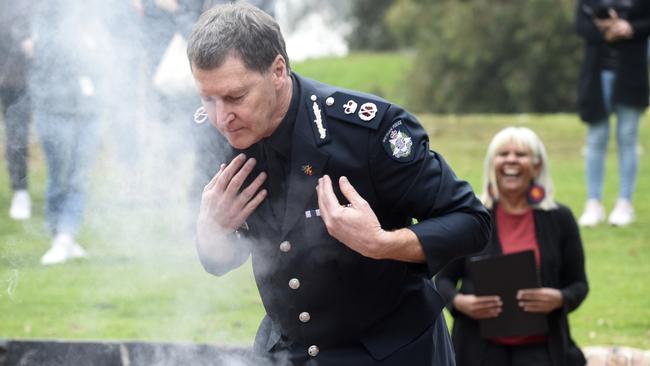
point(452, 222)
point(573, 277)
point(447, 282)
point(212, 150)
point(214, 265)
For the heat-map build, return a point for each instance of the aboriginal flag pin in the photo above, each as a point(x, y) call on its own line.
point(307, 169)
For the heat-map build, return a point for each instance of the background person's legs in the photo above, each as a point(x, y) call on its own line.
point(627, 136)
point(597, 139)
point(15, 112)
point(69, 144)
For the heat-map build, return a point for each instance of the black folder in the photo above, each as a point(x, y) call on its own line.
point(504, 275)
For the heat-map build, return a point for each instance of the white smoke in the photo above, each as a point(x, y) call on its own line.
point(141, 203)
point(314, 28)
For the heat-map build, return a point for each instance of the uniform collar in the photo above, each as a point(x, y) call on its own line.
point(280, 140)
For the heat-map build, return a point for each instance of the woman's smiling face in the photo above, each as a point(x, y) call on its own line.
point(515, 167)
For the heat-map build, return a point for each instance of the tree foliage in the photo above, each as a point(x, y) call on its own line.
point(369, 29)
point(478, 56)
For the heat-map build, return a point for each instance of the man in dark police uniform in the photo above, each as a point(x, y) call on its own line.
point(321, 187)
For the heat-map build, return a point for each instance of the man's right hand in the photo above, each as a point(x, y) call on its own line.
point(478, 307)
point(223, 207)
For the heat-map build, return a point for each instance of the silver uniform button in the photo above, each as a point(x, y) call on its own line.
point(329, 101)
point(294, 283)
point(304, 317)
point(285, 246)
point(313, 97)
point(313, 350)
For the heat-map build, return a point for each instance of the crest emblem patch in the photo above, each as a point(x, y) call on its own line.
point(398, 142)
point(350, 107)
point(367, 111)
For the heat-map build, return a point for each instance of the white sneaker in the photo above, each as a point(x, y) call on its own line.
point(78, 251)
point(63, 248)
point(623, 213)
point(21, 205)
point(593, 215)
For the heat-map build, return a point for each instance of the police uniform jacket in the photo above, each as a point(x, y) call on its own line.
point(341, 296)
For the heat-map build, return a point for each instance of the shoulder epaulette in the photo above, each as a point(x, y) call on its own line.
point(357, 109)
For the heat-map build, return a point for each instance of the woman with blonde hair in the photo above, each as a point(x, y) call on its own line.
point(518, 190)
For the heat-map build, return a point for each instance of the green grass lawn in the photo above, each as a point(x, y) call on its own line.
point(143, 281)
point(380, 74)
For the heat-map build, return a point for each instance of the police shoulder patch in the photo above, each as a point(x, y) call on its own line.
point(398, 142)
point(356, 109)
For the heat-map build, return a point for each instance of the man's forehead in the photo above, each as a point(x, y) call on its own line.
point(230, 76)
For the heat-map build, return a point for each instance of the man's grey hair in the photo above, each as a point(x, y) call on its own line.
point(239, 30)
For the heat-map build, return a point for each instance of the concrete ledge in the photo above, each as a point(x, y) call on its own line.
point(64, 353)
point(616, 356)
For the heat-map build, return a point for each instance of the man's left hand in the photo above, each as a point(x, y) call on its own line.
point(540, 300)
point(355, 225)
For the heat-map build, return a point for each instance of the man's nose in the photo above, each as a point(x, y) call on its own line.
point(222, 114)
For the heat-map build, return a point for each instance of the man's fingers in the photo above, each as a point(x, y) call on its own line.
point(247, 194)
point(251, 206)
point(350, 193)
point(213, 181)
point(240, 176)
point(321, 201)
point(326, 198)
point(229, 171)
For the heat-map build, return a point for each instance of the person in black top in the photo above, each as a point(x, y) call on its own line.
point(613, 79)
point(321, 187)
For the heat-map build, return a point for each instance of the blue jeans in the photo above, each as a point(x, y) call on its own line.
point(627, 136)
point(70, 143)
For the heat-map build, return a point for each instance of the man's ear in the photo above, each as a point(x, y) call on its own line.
point(279, 70)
